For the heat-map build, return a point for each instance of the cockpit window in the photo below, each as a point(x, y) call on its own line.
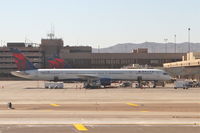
point(165, 73)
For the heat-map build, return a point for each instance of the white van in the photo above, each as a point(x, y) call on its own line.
point(181, 84)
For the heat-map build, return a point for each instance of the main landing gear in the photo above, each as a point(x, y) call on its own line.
point(92, 84)
point(155, 84)
point(139, 82)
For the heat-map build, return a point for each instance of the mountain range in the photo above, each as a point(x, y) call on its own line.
point(153, 47)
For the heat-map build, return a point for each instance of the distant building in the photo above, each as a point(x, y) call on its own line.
point(16, 45)
point(118, 60)
point(140, 50)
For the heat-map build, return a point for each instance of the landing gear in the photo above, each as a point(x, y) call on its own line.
point(159, 83)
point(163, 84)
point(139, 79)
point(155, 84)
point(92, 84)
point(86, 85)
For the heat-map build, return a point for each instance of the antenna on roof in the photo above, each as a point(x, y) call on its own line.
point(51, 35)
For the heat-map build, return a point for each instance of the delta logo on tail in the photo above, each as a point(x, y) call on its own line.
point(21, 61)
point(60, 61)
point(57, 62)
point(53, 63)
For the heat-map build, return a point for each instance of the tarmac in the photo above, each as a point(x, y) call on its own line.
point(110, 110)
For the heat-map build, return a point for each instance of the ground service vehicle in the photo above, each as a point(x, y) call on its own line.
point(181, 84)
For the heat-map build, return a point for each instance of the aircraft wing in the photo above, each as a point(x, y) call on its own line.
point(89, 77)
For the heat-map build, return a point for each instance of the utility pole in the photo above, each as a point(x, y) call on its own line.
point(98, 49)
point(189, 42)
point(189, 50)
point(165, 40)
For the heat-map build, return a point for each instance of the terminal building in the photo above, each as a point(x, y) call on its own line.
point(191, 59)
point(81, 56)
point(189, 67)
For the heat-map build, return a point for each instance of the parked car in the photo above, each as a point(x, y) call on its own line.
point(193, 84)
point(181, 84)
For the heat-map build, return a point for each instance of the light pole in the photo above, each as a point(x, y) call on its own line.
point(98, 49)
point(189, 40)
point(175, 43)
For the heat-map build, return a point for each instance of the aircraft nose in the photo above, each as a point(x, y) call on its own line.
point(18, 73)
point(169, 77)
point(15, 73)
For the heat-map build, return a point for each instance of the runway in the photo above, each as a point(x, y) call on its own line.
point(127, 107)
point(101, 113)
point(100, 129)
point(113, 110)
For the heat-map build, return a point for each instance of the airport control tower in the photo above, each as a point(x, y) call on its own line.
point(51, 46)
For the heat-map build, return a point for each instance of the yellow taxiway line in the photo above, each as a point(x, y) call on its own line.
point(55, 105)
point(133, 104)
point(80, 127)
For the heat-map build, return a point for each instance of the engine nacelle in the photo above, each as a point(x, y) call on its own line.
point(105, 81)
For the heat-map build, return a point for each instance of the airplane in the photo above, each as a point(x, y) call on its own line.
point(105, 76)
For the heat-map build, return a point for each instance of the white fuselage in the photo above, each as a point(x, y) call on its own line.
point(84, 74)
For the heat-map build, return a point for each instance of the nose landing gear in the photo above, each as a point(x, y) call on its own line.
point(139, 79)
point(155, 84)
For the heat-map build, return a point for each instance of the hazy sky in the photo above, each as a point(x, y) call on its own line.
point(100, 22)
